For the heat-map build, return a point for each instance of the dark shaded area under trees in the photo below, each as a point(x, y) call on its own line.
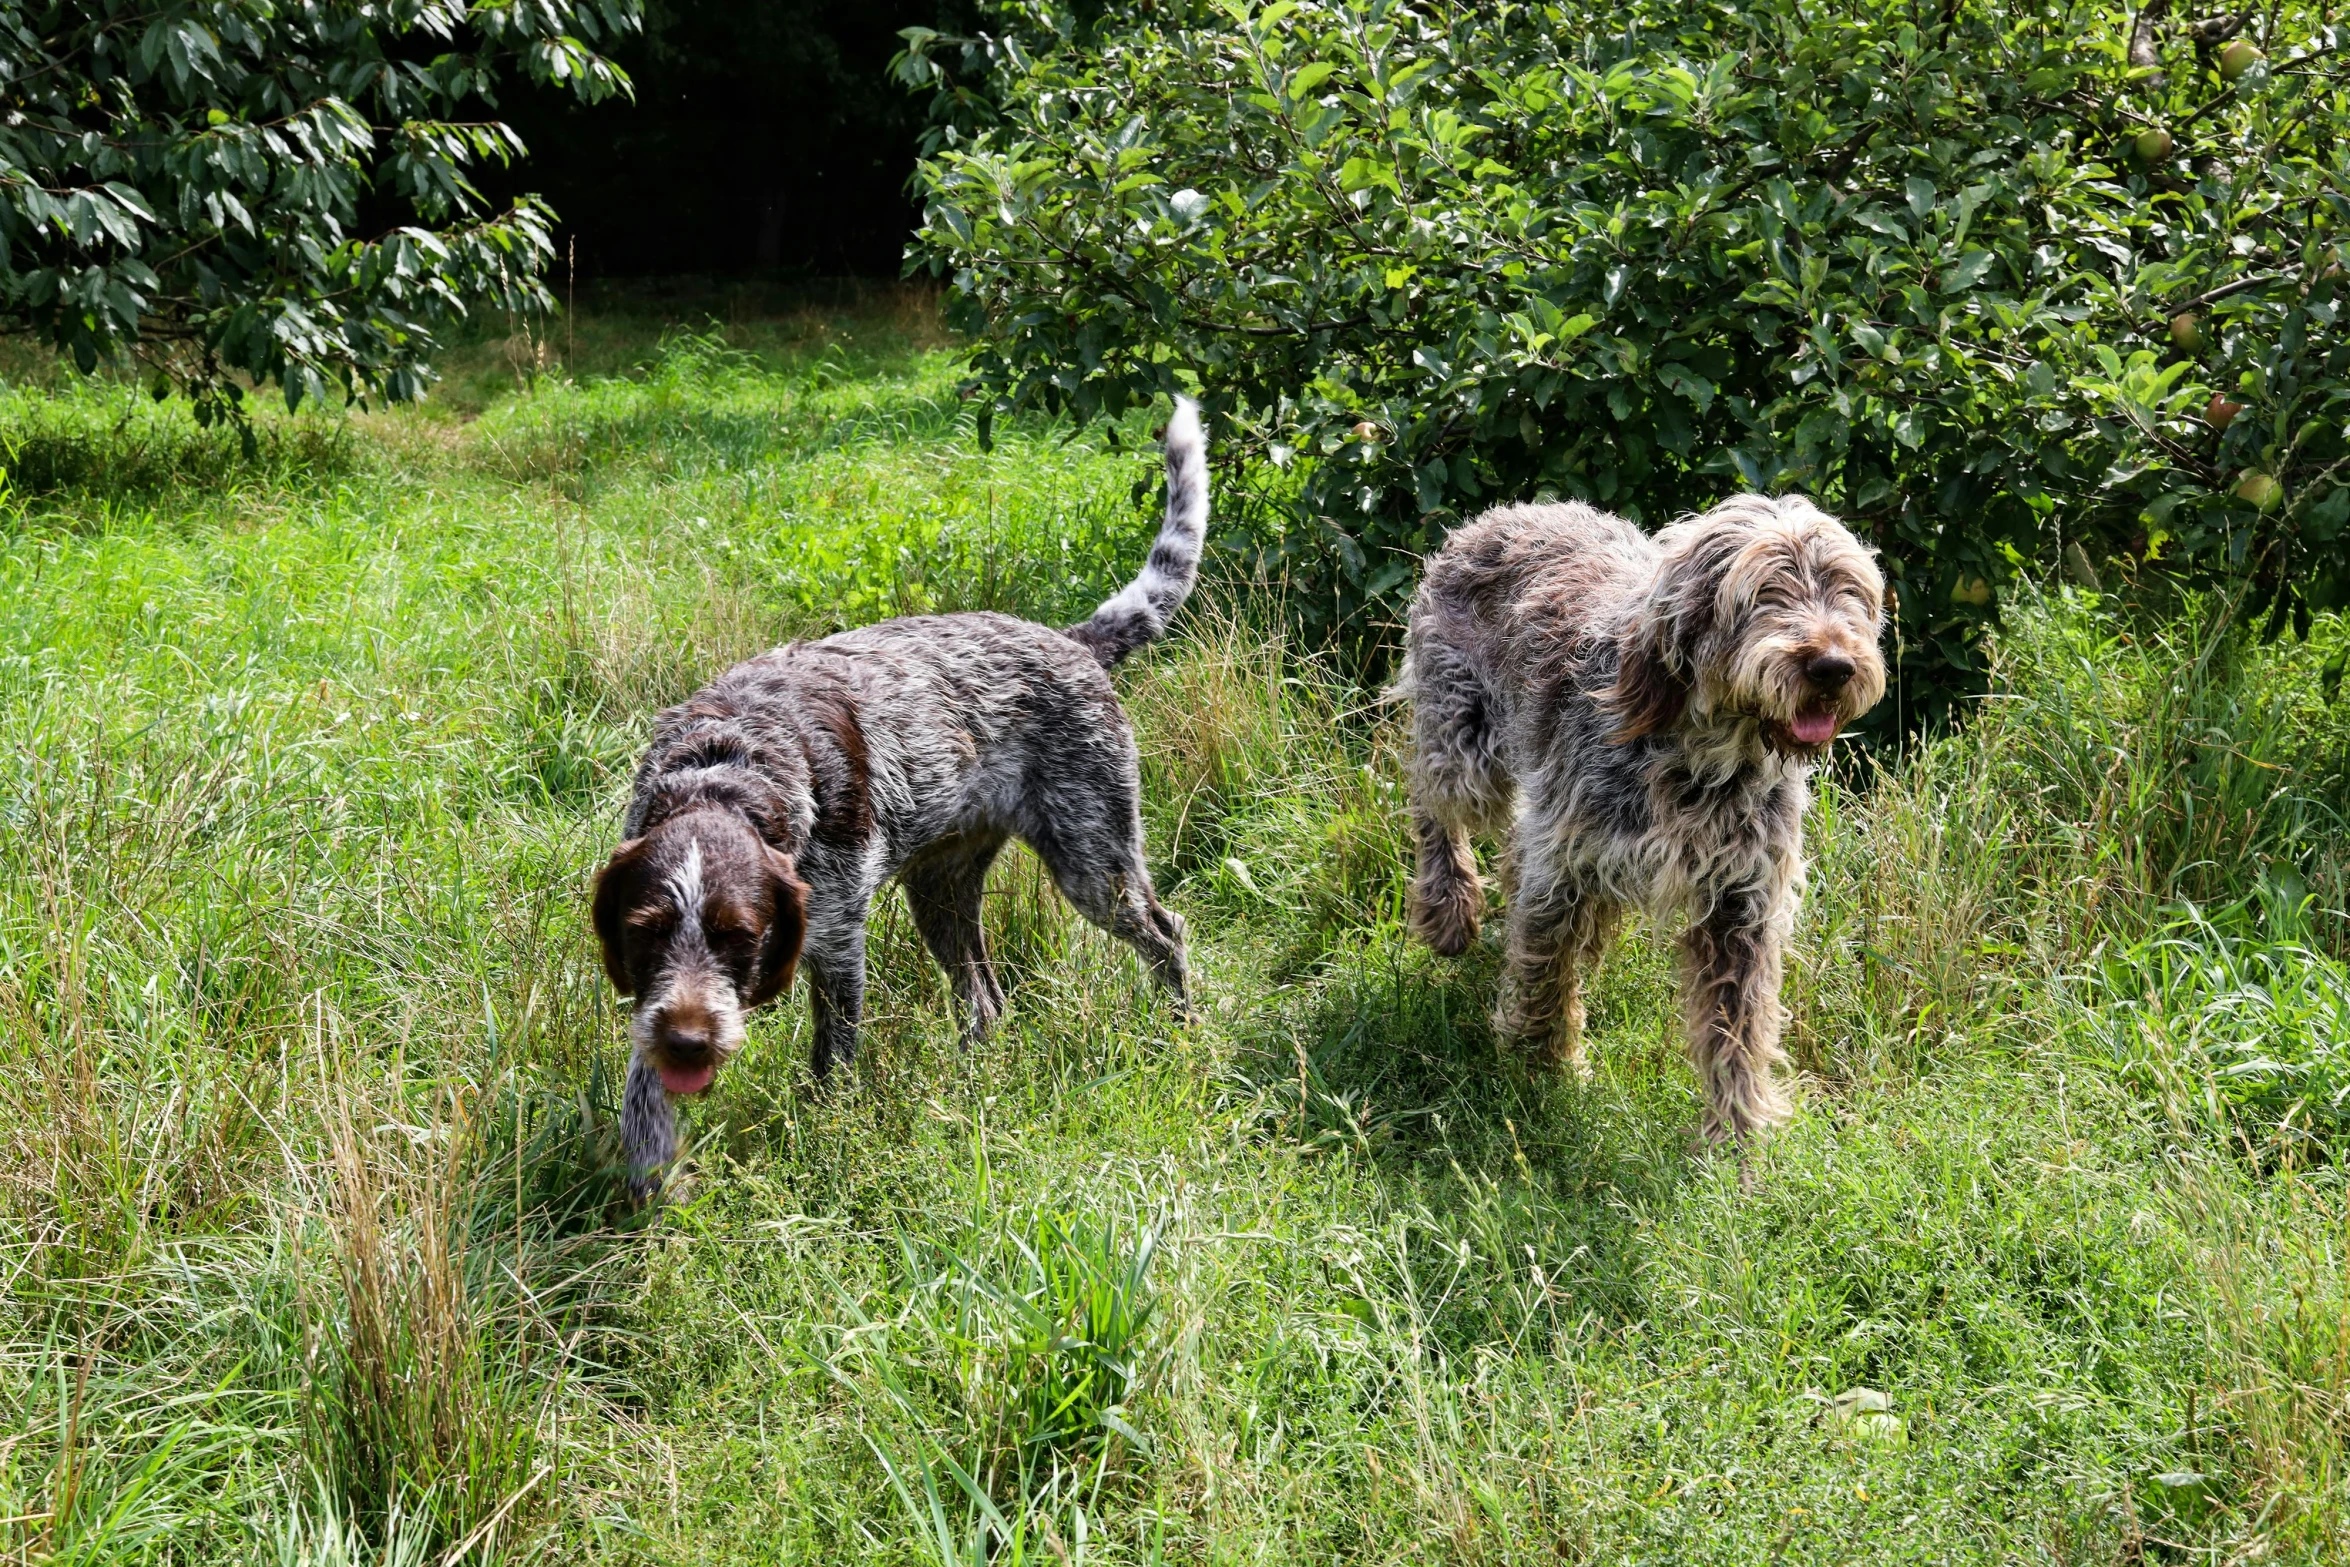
point(766, 138)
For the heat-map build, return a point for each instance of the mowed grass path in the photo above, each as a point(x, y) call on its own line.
point(311, 1246)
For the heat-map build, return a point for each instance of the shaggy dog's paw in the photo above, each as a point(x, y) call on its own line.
point(1446, 927)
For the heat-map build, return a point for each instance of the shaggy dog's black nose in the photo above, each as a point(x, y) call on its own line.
point(1830, 672)
point(687, 1044)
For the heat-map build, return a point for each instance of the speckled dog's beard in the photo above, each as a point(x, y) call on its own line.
point(713, 999)
point(648, 1127)
point(648, 1116)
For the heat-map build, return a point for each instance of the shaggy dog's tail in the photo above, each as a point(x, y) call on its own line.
point(1138, 615)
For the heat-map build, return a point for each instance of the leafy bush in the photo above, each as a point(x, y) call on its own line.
point(182, 183)
point(1971, 276)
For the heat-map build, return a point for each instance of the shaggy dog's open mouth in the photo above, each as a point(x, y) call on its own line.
point(681, 1079)
point(1813, 728)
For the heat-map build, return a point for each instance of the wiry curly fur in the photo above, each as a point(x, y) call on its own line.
point(1640, 716)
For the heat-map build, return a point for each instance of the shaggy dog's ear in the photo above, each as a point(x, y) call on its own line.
point(1648, 694)
point(620, 886)
point(1664, 643)
point(787, 932)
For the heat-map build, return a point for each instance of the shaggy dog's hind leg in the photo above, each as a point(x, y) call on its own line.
point(1458, 783)
point(1590, 933)
point(1731, 960)
point(943, 888)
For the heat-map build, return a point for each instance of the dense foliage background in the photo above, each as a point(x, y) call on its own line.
point(1989, 286)
point(182, 183)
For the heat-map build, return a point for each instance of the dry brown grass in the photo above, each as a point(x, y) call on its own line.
point(426, 1399)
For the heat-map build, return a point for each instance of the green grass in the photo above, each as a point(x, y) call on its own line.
point(312, 1247)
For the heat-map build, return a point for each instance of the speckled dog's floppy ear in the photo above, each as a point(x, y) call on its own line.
point(787, 932)
point(620, 886)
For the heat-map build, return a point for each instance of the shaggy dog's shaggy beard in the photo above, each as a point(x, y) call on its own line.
point(1640, 716)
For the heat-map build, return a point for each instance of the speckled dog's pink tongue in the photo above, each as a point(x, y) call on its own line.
point(686, 1079)
point(1816, 728)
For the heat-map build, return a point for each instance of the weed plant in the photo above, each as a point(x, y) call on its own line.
point(313, 1248)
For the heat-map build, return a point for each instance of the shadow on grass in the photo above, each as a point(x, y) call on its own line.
point(695, 431)
point(1390, 1060)
point(697, 403)
point(94, 451)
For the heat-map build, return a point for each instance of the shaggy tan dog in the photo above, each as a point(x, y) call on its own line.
point(1640, 716)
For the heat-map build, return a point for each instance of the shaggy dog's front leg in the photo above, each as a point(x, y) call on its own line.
point(1730, 968)
point(1557, 929)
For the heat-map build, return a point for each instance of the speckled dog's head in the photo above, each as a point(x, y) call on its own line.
point(700, 920)
point(1763, 608)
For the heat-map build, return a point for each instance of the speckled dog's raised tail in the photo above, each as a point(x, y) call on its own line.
point(1138, 615)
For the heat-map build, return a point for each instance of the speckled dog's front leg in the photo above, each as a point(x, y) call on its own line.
point(648, 1129)
point(835, 961)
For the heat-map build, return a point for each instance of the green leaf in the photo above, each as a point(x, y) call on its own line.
point(1310, 76)
point(1694, 387)
point(1967, 271)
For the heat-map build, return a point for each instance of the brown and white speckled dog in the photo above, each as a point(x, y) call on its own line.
point(1641, 716)
point(774, 804)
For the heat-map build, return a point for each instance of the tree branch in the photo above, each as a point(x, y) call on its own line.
point(2144, 56)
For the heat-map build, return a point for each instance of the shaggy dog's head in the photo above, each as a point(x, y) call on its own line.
point(701, 919)
point(1765, 609)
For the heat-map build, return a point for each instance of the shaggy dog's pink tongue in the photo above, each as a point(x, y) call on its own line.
point(686, 1079)
point(1815, 728)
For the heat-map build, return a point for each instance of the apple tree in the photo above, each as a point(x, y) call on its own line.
point(275, 190)
point(2014, 284)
